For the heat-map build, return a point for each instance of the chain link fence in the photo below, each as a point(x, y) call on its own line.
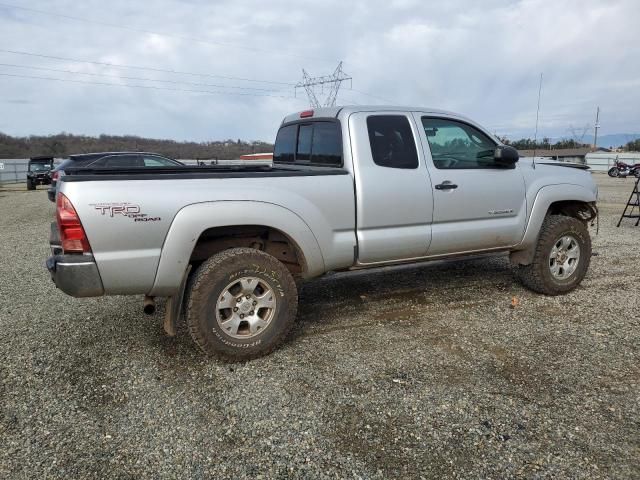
point(13, 170)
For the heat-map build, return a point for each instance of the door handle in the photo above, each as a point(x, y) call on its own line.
point(446, 185)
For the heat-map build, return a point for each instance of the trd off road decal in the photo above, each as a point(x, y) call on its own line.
point(129, 210)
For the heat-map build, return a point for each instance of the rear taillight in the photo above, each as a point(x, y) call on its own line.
point(54, 175)
point(72, 236)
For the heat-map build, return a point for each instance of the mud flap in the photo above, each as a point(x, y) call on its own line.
point(173, 307)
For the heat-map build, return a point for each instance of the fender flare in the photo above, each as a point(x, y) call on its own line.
point(523, 253)
point(192, 220)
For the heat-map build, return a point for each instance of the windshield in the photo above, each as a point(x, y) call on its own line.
point(39, 167)
point(66, 163)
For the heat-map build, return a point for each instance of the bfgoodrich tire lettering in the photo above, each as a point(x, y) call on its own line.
point(539, 276)
point(211, 283)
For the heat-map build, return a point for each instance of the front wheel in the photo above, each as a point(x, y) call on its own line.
point(30, 185)
point(561, 258)
point(613, 172)
point(242, 304)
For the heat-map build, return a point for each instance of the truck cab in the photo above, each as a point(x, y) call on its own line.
point(427, 182)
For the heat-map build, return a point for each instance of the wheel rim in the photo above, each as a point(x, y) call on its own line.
point(564, 257)
point(246, 307)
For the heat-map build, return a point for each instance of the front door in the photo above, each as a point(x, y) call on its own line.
point(478, 204)
point(394, 199)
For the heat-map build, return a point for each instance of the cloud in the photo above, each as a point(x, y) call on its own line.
point(482, 59)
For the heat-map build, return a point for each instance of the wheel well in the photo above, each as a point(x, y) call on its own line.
point(572, 208)
point(267, 239)
point(584, 211)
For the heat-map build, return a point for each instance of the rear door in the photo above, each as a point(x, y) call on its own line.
point(393, 190)
point(477, 204)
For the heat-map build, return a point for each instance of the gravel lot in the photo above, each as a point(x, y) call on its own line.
point(421, 371)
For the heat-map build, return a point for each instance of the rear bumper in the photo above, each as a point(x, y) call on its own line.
point(76, 275)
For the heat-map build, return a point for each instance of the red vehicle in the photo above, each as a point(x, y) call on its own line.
point(621, 169)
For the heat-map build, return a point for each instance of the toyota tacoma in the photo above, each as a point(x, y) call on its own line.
point(349, 188)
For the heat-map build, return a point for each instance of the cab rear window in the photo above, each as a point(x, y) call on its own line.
point(311, 143)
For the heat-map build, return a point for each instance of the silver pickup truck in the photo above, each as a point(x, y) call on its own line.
point(350, 188)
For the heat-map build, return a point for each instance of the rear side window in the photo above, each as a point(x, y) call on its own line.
point(68, 163)
point(392, 142)
point(119, 161)
point(315, 143)
point(154, 161)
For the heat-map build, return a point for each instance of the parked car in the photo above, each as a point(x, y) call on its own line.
point(38, 171)
point(108, 160)
point(350, 188)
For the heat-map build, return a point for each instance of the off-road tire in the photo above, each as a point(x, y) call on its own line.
point(30, 185)
point(210, 280)
point(537, 276)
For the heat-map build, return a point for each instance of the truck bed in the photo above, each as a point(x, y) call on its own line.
point(315, 203)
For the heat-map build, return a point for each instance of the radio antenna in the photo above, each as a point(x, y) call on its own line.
point(535, 135)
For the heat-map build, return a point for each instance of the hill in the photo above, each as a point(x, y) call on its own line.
point(65, 144)
point(614, 139)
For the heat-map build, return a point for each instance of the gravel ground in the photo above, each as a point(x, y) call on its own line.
point(414, 372)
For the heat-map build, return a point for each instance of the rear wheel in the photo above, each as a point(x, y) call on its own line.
point(613, 172)
point(561, 259)
point(242, 304)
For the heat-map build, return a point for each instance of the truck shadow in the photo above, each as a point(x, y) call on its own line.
point(430, 282)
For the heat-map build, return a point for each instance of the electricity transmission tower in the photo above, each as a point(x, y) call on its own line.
point(578, 134)
point(310, 83)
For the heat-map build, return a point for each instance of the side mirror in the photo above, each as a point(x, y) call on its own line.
point(505, 155)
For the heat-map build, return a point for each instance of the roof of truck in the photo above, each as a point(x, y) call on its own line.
point(333, 112)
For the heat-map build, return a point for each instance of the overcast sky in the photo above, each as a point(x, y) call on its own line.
point(479, 58)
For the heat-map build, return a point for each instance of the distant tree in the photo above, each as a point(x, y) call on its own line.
point(64, 144)
point(567, 143)
point(529, 144)
point(633, 146)
point(55, 148)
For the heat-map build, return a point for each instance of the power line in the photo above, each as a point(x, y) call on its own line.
point(174, 82)
point(370, 95)
point(163, 34)
point(137, 67)
point(148, 87)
